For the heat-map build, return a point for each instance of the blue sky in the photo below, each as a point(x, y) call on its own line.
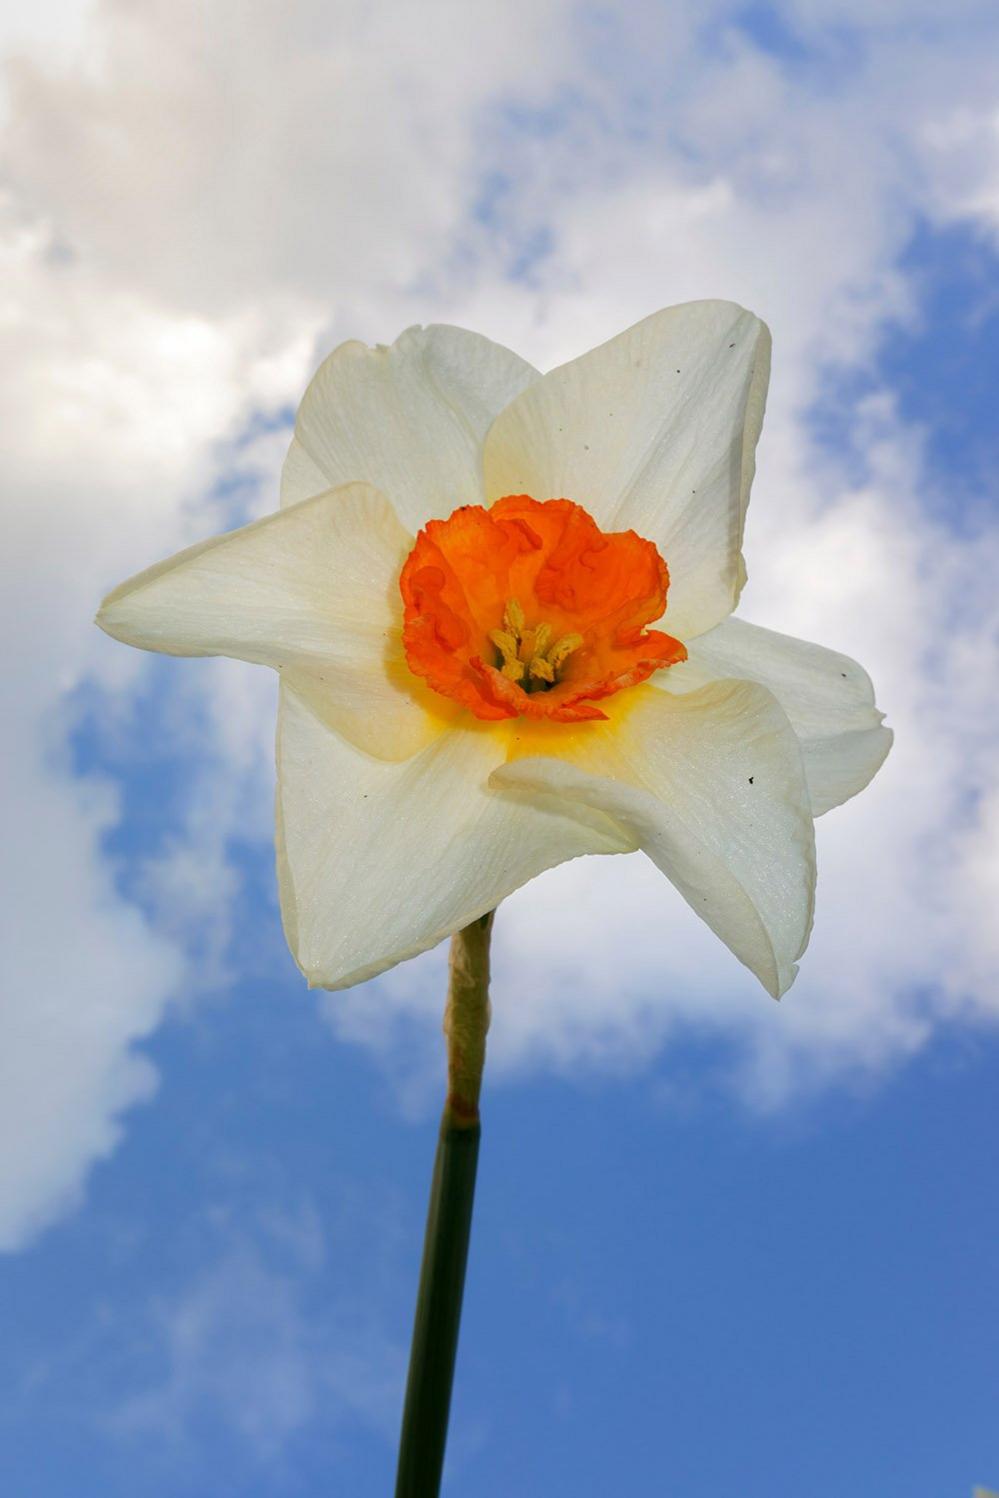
point(703, 1298)
point(720, 1244)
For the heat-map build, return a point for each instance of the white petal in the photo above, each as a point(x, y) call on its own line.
point(409, 419)
point(378, 861)
point(711, 784)
point(313, 587)
point(656, 432)
point(827, 696)
point(301, 478)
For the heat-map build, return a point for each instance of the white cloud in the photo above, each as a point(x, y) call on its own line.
point(245, 1349)
point(84, 979)
point(250, 1345)
point(56, 27)
point(111, 410)
point(292, 151)
point(194, 199)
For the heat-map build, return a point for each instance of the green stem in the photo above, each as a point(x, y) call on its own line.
point(438, 1312)
point(449, 1221)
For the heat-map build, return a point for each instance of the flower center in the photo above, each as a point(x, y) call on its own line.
point(531, 656)
point(529, 609)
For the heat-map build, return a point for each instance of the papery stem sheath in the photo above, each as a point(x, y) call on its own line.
point(449, 1221)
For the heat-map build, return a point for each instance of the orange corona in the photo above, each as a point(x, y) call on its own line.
point(529, 609)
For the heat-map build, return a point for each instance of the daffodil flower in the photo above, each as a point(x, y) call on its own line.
point(458, 593)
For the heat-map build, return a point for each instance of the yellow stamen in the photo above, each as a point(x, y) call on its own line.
point(561, 651)
point(541, 669)
point(542, 637)
point(513, 617)
point(529, 652)
point(508, 646)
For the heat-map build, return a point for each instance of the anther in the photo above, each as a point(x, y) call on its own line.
point(508, 646)
point(513, 617)
point(541, 669)
point(561, 651)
